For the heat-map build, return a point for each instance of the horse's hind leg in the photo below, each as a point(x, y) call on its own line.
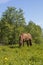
point(30, 42)
point(27, 43)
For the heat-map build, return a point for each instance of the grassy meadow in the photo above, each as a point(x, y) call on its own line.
point(13, 55)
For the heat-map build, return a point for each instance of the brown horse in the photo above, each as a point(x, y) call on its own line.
point(25, 37)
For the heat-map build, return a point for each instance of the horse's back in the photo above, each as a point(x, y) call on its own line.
point(26, 36)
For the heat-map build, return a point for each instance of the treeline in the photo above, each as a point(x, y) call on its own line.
point(12, 24)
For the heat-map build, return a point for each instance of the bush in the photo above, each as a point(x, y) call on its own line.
point(38, 40)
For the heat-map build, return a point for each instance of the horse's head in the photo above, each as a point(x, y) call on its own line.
point(20, 40)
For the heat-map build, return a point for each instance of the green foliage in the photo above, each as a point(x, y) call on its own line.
point(12, 24)
point(35, 31)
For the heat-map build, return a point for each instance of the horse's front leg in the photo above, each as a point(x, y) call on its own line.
point(23, 42)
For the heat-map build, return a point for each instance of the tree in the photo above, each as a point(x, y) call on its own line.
point(13, 21)
point(35, 31)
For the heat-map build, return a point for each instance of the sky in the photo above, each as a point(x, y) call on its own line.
point(33, 9)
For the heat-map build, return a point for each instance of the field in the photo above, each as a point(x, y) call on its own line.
point(13, 55)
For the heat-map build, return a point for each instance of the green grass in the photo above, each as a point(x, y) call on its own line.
point(12, 55)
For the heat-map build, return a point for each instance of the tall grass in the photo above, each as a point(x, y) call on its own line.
point(13, 55)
